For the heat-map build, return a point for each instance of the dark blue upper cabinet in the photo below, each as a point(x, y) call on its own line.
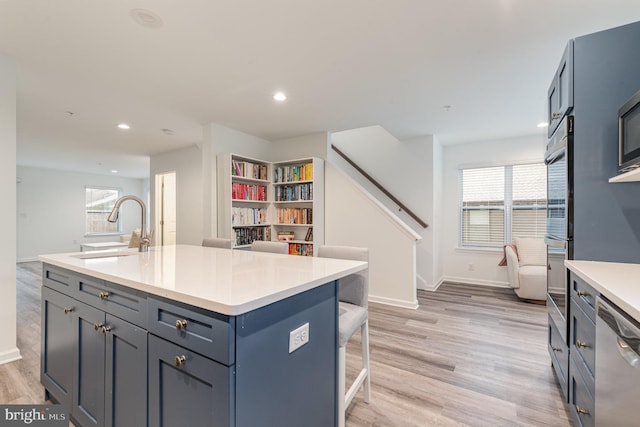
point(560, 94)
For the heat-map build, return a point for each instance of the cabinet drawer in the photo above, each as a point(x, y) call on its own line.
point(187, 389)
point(583, 340)
point(584, 295)
point(125, 303)
point(59, 279)
point(559, 353)
point(581, 399)
point(202, 331)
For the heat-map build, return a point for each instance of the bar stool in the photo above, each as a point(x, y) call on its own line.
point(267, 246)
point(216, 242)
point(353, 292)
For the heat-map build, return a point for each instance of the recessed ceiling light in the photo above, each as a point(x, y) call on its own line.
point(124, 126)
point(114, 171)
point(146, 18)
point(543, 124)
point(167, 131)
point(279, 96)
point(69, 113)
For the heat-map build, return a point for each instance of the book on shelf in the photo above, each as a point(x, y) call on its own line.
point(292, 173)
point(248, 216)
point(245, 236)
point(241, 191)
point(294, 215)
point(303, 249)
point(249, 170)
point(286, 235)
point(291, 193)
point(309, 236)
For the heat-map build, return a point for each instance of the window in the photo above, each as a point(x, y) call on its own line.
point(499, 203)
point(98, 205)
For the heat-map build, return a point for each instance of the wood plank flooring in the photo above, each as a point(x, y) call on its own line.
point(469, 355)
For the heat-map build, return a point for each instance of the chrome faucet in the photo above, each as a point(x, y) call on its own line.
point(144, 238)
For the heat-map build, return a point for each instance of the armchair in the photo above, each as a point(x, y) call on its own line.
point(527, 268)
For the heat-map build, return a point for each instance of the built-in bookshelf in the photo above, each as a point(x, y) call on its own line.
point(259, 200)
point(243, 206)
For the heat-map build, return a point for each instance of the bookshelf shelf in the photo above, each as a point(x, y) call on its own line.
point(293, 189)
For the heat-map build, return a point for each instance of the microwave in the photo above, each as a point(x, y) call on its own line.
point(629, 134)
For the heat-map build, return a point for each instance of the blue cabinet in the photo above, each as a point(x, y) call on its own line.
point(88, 363)
point(57, 346)
point(186, 388)
point(92, 361)
point(560, 93)
point(121, 358)
point(582, 337)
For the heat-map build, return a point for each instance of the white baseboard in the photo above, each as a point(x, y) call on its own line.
point(27, 259)
point(395, 302)
point(10, 356)
point(472, 281)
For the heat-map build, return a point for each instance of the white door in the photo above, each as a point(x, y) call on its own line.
point(166, 208)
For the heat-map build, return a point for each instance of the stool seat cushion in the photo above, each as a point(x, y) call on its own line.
point(351, 318)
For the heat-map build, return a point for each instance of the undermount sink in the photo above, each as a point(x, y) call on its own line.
point(97, 255)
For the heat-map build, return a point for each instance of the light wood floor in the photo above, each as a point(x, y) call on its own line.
point(468, 356)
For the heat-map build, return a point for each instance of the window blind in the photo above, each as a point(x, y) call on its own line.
point(98, 205)
point(529, 210)
point(482, 206)
point(499, 203)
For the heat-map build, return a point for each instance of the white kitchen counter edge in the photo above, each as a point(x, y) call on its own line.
point(618, 282)
point(69, 262)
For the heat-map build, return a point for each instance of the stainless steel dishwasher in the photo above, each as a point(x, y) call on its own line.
point(617, 366)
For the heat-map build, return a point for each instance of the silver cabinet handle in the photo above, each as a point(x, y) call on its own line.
point(97, 326)
point(106, 329)
point(581, 344)
point(103, 295)
point(180, 360)
point(581, 410)
point(181, 324)
point(68, 310)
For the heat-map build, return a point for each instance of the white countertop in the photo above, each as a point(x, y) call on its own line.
point(619, 282)
point(227, 281)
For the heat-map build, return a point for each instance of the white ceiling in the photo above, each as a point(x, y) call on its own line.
point(344, 64)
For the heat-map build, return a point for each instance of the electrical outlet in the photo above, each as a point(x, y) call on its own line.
point(298, 337)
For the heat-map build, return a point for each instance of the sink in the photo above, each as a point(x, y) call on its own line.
point(98, 255)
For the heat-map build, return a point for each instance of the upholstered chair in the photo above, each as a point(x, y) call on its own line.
point(527, 268)
point(274, 247)
point(353, 293)
point(216, 242)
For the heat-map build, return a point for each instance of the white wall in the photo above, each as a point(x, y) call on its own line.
point(187, 164)
point(455, 261)
point(8, 349)
point(408, 169)
point(51, 215)
point(352, 218)
point(436, 225)
point(311, 145)
point(217, 140)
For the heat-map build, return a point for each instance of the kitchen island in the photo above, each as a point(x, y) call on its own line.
point(189, 335)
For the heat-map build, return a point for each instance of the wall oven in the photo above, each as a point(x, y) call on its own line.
point(559, 235)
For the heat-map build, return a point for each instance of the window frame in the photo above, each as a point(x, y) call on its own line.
point(507, 206)
point(88, 233)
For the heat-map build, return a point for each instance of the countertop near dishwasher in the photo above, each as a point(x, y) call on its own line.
point(618, 282)
point(226, 281)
